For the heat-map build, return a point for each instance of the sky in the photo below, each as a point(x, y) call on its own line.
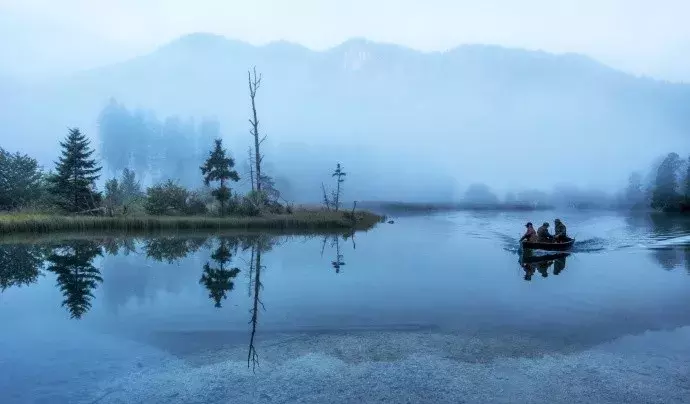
point(643, 37)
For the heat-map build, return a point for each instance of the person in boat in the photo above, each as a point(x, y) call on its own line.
point(543, 234)
point(530, 234)
point(561, 232)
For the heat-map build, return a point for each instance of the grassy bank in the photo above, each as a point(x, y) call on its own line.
point(298, 221)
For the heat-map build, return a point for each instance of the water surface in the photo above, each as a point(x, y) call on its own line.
point(437, 308)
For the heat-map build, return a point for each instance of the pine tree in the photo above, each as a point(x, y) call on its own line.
point(129, 186)
point(665, 195)
point(219, 280)
point(76, 275)
point(73, 183)
point(218, 167)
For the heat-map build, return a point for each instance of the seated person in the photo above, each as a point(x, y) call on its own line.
point(530, 234)
point(543, 233)
point(561, 232)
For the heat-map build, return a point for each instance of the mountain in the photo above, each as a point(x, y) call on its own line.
point(406, 122)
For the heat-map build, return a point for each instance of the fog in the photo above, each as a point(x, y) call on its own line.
point(406, 125)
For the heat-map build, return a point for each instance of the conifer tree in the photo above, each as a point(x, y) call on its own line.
point(72, 185)
point(219, 167)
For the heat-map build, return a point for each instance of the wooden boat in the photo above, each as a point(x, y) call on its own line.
point(548, 246)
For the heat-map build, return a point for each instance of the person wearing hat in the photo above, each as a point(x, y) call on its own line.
point(543, 233)
point(530, 234)
point(560, 230)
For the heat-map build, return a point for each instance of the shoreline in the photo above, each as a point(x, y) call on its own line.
point(301, 221)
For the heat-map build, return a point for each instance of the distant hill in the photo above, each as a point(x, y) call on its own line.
point(402, 121)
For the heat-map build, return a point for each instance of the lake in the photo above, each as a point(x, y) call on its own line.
point(435, 308)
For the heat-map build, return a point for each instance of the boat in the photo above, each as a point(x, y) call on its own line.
point(548, 246)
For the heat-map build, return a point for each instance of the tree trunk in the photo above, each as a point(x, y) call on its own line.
point(222, 200)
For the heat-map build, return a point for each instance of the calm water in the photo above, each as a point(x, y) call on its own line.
point(429, 309)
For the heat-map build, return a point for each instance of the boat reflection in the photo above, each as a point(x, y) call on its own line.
point(532, 263)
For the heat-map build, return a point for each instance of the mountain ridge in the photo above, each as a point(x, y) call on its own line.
point(437, 111)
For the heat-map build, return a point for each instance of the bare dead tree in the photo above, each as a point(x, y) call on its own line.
point(254, 84)
point(251, 167)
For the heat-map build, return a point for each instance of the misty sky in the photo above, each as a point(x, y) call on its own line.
point(640, 36)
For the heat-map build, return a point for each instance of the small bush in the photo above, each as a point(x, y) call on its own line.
point(166, 199)
point(195, 204)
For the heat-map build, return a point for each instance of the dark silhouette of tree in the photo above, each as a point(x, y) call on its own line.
point(219, 167)
point(20, 265)
point(76, 172)
point(219, 280)
point(20, 180)
point(76, 275)
point(665, 194)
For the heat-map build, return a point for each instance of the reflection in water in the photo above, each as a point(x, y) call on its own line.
point(172, 249)
point(335, 243)
point(531, 263)
point(19, 265)
point(76, 275)
point(219, 280)
point(259, 245)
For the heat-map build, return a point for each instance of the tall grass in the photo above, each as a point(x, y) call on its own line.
point(298, 221)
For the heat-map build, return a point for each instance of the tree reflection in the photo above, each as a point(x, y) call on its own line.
point(668, 258)
point(531, 263)
point(172, 249)
point(76, 275)
point(20, 264)
point(259, 244)
point(121, 245)
point(338, 262)
point(218, 281)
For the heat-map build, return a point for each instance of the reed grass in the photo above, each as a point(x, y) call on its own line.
point(298, 221)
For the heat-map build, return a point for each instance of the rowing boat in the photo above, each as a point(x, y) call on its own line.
point(548, 246)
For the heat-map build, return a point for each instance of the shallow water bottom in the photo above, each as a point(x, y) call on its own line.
point(377, 366)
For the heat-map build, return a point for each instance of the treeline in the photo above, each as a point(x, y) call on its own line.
point(71, 186)
point(667, 188)
point(137, 145)
point(155, 150)
point(192, 170)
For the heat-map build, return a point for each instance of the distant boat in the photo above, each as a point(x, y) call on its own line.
point(548, 246)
